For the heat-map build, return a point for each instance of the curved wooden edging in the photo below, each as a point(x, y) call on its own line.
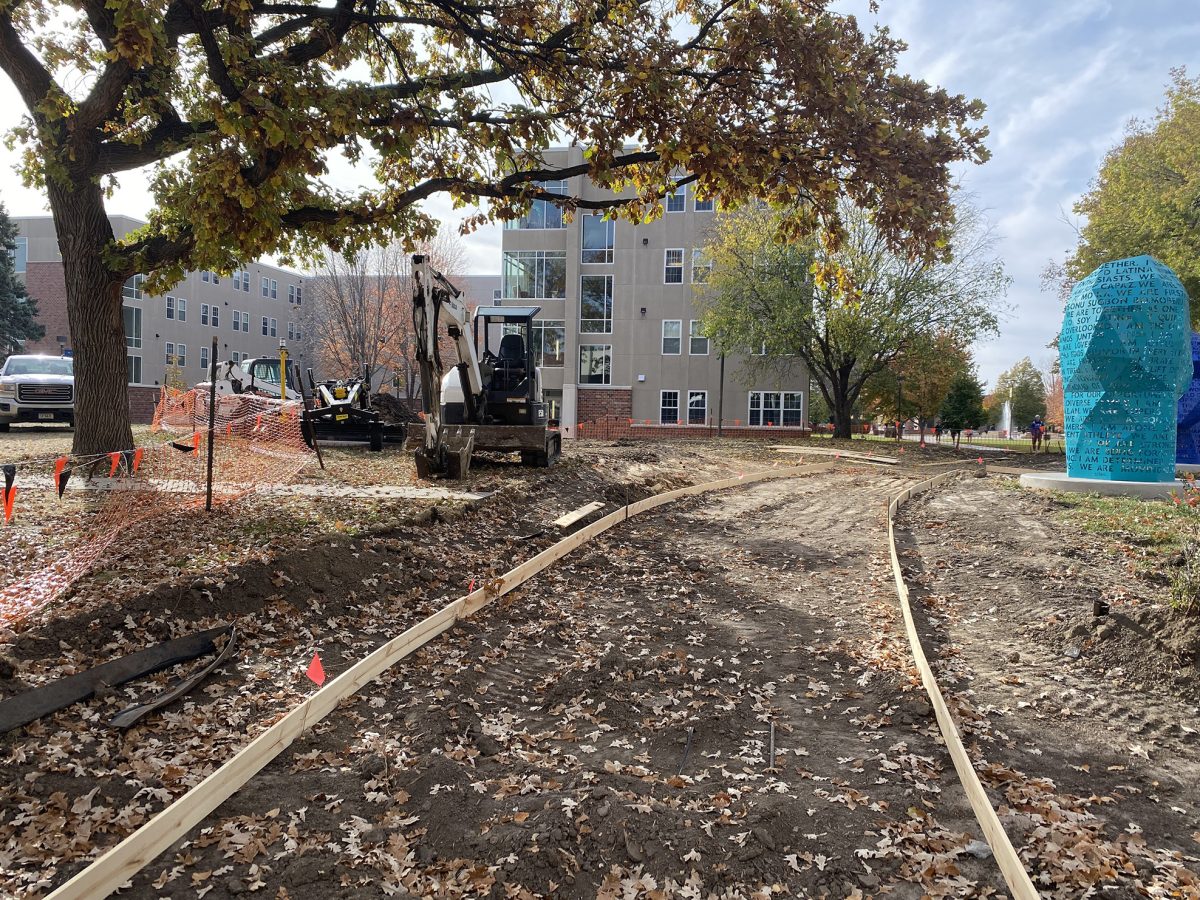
point(1011, 867)
point(131, 855)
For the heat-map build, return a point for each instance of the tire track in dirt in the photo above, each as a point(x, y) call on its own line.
point(605, 731)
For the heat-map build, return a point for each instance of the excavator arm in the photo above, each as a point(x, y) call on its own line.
point(437, 303)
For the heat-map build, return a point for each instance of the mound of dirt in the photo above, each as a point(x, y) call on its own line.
point(393, 410)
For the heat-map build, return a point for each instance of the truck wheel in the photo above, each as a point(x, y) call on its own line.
point(3, 427)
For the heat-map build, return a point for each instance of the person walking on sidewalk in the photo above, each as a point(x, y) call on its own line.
point(1036, 430)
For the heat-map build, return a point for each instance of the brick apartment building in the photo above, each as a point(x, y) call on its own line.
point(619, 329)
point(249, 312)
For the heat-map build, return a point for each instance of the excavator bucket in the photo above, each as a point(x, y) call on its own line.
point(452, 459)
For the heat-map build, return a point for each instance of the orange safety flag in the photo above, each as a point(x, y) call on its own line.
point(116, 461)
point(61, 475)
point(10, 494)
point(315, 671)
point(137, 459)
point(195, 443)
point(228, 428)
point(258, 422)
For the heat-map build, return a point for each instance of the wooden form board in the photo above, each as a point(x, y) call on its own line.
point(1011, 867)
point(129, 857)
point(576, 514)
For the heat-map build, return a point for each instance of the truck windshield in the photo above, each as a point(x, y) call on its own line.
point(266, 371)
point(36, 365)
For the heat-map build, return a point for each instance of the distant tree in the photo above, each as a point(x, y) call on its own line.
point(1055, 415)
point(929, 365)
point(963, 406)
point(232, 113)
point(1023, 385)
point(848, 313)
point(18, 311)
point(359, 310)
point(1146, 196)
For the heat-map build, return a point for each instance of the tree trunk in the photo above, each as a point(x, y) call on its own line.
point(97, 323)
point(842, 404)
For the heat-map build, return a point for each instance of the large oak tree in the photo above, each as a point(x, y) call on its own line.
point(236, 107)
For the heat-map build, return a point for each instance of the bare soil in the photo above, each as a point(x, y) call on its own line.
point(605, 731)
point(1084, 728)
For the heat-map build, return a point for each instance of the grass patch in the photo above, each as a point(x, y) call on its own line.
point(1157, 529)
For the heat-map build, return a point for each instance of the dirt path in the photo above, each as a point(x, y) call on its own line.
point(605, 730)
point(1084, 730)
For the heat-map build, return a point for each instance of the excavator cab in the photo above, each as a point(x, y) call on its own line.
point(504, 341)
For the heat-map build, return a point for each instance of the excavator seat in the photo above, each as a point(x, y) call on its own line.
point(510, 364)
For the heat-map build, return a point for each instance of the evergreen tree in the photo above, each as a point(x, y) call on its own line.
point(963, 407)
point(1023, 385)
point(18, 311)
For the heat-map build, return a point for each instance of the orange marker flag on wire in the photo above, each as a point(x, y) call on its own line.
point(195, 443)
point(10, 494)
point(315, 671)
point(61, 475)
point(115, 458)
point(137, 459)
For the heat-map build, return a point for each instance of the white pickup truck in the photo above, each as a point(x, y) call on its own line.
point(37, 389)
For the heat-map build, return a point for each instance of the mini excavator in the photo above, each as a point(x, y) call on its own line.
point(487, 400)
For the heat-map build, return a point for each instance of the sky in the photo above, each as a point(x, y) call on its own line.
point(1061, 79)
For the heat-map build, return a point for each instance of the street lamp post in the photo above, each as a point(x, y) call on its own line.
point(899, 404)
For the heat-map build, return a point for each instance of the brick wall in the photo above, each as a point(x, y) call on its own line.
point(141, 404)
point(596, 404)
point(45, 283)
point(619, 427)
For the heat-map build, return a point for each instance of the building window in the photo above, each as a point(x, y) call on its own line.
point(704, 205)
point(216, 279)
point(266, 286)
point(299, 333)
point(237, 358)
point(237, 320)
point(497, 295)
point(793, 409)
point(595, 363)
point(764, 408)
point(274, 289)
point(697, 342)
point(677, 200)
point(170, 307)
point(134, 367)
point(543, 213)
point(673, 265)
point(237, 279)
point(203, 313)
point(668, 408)
point(535, 275)
point(204, 277)
point(549, 340)
point(20, 255)
point(291, 293)
point(777, 408)
point(169, 355)
point(697, 407)
point(702, 266)
point(133, 327)
point(299, 294)
point(598, 237)
point(274, 328)
point(266, 326)
point(204, 358)
point(291, 332)
point(215, 321)
point(241, 280)
point(672, 337)
point(245, 323)
point(132, 289)
point(595, 304)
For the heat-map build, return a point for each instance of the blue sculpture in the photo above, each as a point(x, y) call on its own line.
point(1187, 435)
point(1125, 361)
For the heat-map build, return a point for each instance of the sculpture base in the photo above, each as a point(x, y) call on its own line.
point(1061, 481)
point(1193, 468)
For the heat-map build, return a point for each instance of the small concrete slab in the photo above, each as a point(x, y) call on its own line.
point(1191, 468)
point(1060, 481)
